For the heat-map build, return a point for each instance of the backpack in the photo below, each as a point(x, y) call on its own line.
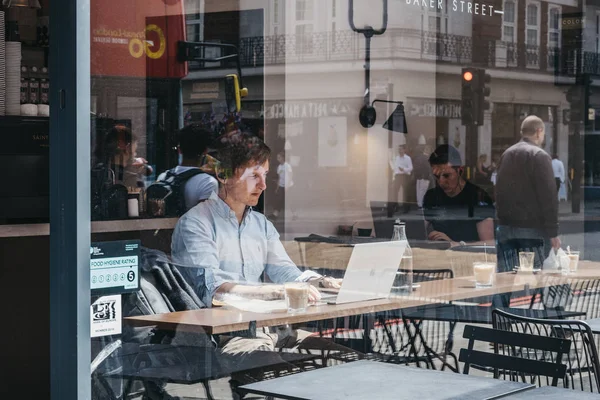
point(169, 190)
point(108, 199)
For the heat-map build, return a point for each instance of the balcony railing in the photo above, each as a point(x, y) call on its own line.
point(444, 47)
point(281, 49)
point(591, 63)
point(402, 44)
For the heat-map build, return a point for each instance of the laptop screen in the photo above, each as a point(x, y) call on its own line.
point(385, 213)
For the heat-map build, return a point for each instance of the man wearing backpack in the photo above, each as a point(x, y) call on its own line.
point(187, 181)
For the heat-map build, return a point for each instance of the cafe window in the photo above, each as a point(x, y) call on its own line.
point(194, 30)
point(348, 173)
point(304, 26)
point(597, 35)
point(509, 22)
point(553, 27)
point(304, 10)
point(304, 39)
point(275, 8)
point(435, 24)
point(532, 26)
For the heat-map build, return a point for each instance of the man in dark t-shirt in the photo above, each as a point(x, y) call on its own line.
point(456, 210)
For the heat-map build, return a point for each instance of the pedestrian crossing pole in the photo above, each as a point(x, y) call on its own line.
point(577, 168)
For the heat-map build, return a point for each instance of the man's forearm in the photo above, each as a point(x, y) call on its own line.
point(262, 292)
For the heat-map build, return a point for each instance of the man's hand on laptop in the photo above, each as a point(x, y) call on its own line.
point(277, 292)
point(327, 282)
point(313, 294)
point(437, 235)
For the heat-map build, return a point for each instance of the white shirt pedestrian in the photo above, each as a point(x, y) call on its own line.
point(559, 169)
point(403, 165)
point(285, 175)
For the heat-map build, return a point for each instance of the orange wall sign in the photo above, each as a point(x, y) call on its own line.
point(137, 38)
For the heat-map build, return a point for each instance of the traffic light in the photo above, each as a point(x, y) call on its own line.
point(469, 96)
point(485, 91)
point(589, 112)
point(576, 98)
point(233, 93)
point(475, 93)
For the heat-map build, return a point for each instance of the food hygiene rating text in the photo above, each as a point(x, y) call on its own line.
point(462, 6)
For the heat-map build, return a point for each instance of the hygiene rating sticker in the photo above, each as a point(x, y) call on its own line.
point(105, 316)
point(114, 267)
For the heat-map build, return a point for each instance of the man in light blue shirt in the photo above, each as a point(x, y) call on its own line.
point(224, 245)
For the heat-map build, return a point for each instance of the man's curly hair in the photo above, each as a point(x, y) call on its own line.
point(237, 150)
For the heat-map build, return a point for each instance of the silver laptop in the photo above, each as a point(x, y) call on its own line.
point(370, 272)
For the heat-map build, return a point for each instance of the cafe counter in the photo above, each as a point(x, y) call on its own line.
point(130, 225)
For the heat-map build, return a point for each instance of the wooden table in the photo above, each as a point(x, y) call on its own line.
point(587, 270)
point(375, 380)
point(219, 320)
point(335, 257)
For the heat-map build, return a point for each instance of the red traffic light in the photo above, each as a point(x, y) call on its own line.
point(468, 76)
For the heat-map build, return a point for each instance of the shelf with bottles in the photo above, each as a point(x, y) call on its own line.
point(35, 91)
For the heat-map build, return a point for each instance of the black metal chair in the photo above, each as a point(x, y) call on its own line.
point(581, 362)
point(513, 366)
point(435, 337)
point(427, 339)
point(394, 338)
point(576, 295)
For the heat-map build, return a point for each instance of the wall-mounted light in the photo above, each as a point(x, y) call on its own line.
point(367, 112)
point(395, 122)
point(21, 3)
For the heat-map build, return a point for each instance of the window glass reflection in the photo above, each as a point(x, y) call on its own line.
point(307, 195)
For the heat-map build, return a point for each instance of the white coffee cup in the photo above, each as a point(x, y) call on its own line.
point(29, 110)
point(43, 110)
point(526, 260)
point(296, 296)
point(573, 261)
point(133, 208)
point(484, 273)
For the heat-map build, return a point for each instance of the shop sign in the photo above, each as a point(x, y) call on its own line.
point(460, 6)
point(570, 22)
point(307, 109)
point(434, 108)
point(204, 96)
point(137, 38)
point(205, 91)
point(205, 87)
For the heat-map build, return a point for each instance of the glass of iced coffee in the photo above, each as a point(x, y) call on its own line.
point(484, 274)
point(573, 261)
point(526, 259)
point(296, 296)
